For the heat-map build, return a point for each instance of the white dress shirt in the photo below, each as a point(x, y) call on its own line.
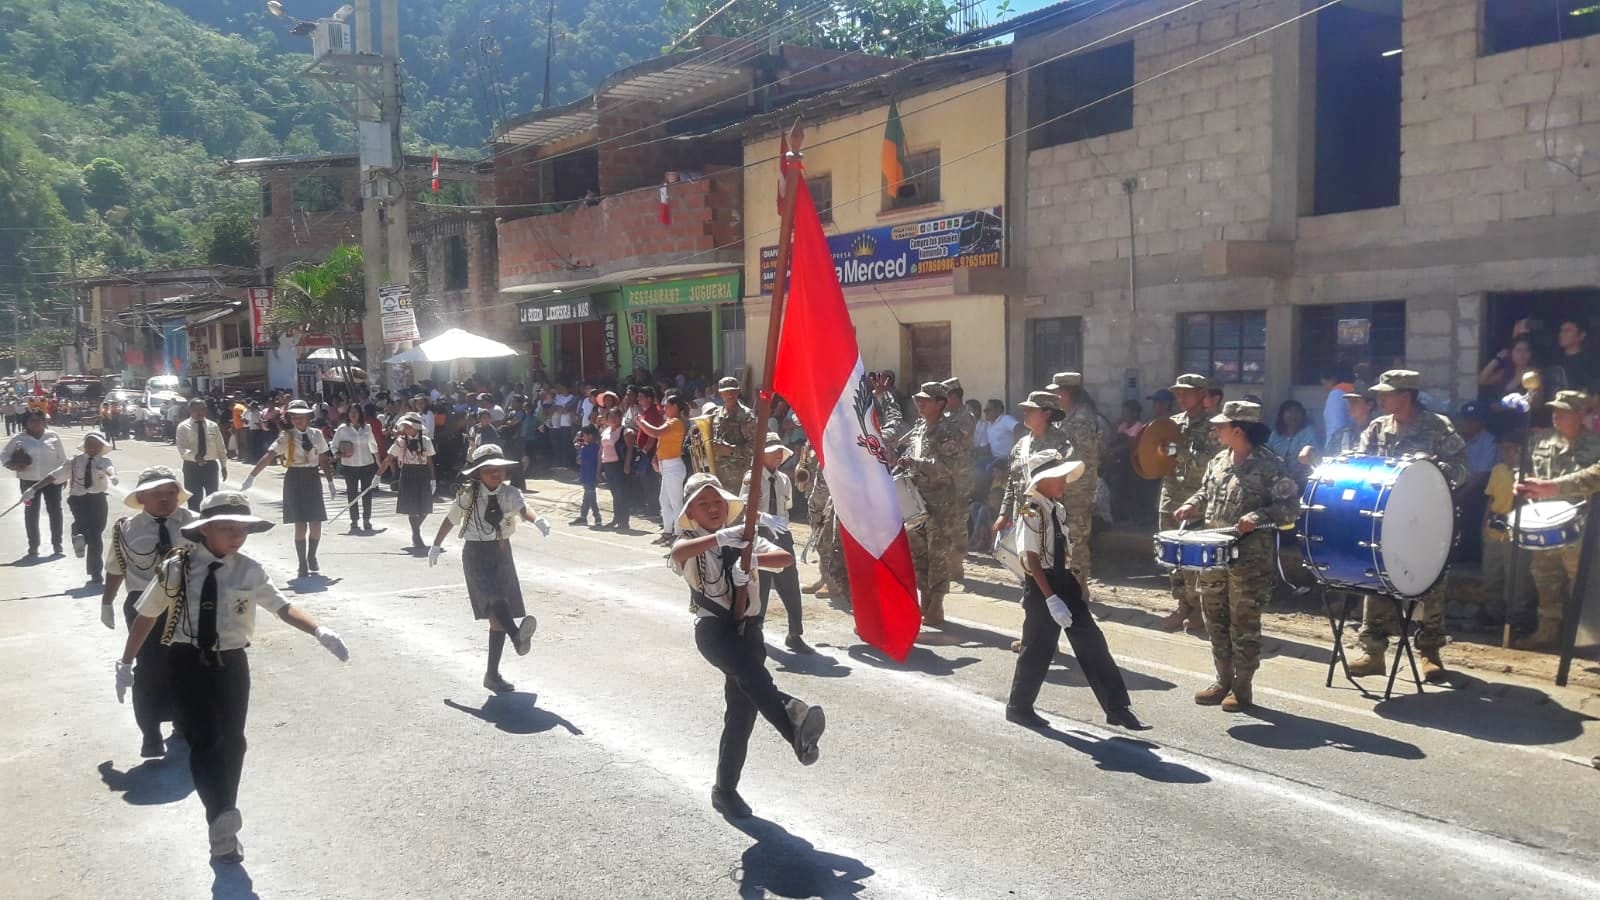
point(101, 472)
point(364, 441)
point(133, 545)
point(1041, 518)
point(242, 585)
point(404, 455)
point(290, 450)
point(1000, 435)
point(777, 493)
point(704, 574)
point(188, 436)
point(45, 450)
point(472, 505)
point(561, 417)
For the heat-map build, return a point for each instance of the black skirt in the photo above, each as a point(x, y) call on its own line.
point(491, 578)
point(415, 499)
point(302, 496)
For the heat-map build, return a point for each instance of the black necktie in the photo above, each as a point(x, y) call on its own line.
point(305, 441)
point(88, 471)
point(208, 608)
point(200, 454)
point(772, 494)
point(163, 537)
point(493, 514)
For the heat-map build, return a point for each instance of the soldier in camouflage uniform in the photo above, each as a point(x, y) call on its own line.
point(1196, 447)
point(1038, 412)
point(1565, 452)
point(733, 437)
point(1407, 428)
point(1083, 431)
point(1246, 487)
point(932, 454)
point(965, 425)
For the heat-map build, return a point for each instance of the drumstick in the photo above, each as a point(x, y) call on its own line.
point(352, 504)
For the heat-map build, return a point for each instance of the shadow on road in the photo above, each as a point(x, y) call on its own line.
point(1068, 674)
point(28, 562)
point(1498, 712)
point(515, 713)
point(818, 665)
point(780, 864)
point(1278, 730)
point(232, 882)
point(152, 782)
point(921, 659)
point(1119, 754)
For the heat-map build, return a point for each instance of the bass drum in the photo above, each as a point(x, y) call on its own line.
point(912, 508)
point(1378, 525)
point(1008, 553)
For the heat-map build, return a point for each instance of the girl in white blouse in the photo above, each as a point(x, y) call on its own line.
point(358, 460)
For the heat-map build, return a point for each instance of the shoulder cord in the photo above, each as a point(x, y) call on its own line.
point(472, 505)
point(180, 600)
point(116, 544)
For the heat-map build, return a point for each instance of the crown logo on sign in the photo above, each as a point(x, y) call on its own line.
point(864, 246)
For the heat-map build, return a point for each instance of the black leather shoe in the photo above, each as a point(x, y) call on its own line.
point(153, 747)
point(497, 684)
point(1027, 718)
point(1124, 718)
point(798, 644)
point(730, 804)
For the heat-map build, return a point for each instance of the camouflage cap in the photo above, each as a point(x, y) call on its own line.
point(1360, 394)
point(1041, 400)
point(1060, 381)
point(953, 385)
point(1571, 401)
point(1237, 411)
point(932, 390)
point(728, 383)
point(1398, 380)
point(1191, 382)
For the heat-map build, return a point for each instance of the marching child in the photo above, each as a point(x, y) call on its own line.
point(487, 509)
point(138, 543)
point(304, 451)
point(91, 473)
point(727, 633)
point(777, 494)
point(412, 455)
point(209, 592)
point(588, 444)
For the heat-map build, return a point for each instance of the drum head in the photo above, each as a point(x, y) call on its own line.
point(1418, 528)
point(1545, 514)
point(1197, 538)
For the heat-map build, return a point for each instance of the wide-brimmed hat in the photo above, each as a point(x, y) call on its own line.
point(1047, 464)
point(709, 407)
point(932, 390)
point(1060, 381)
point(298, 408)
point(225, 506)
point(1191, 382)
point(1398, 380)
point(1570, 401)
point(705, 481)
point(1238, 412)
point(95, 436)
point(487, 456)
point(953, 385)
point(154, 477)
point(1041, 400)
point(774, 442)
point(412, 419)
point(728, 383)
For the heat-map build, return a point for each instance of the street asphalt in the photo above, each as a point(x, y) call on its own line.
point(396, 774)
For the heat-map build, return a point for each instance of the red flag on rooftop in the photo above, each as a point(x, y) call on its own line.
point(436, 173)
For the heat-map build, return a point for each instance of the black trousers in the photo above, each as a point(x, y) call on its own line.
point(617, 483)
point(201, 480)
point(787, 582)
point(747, 689)
point(1041, 636)
point(89, 513)
point(50, 498)
point(213, 699)
point(152, 682)
point(356, 480)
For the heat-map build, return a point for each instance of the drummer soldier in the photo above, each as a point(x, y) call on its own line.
point(1196, 445)
point(733, 436)
point(1084, 434)
point(1248, 488)
point(932, 454)
point(1407, 428)
point(1567, 450)
point(965, 425)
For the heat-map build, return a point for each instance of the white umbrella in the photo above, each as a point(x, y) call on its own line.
point(452, 345)
point(332, 353)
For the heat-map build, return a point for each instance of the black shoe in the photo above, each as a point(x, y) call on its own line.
point(1124, 718)
point(57, 551)
point(152, 747)
point(730, 804)
point(798, 644)
point(33, 553)
point(1027, 718)
point(581, 520)
point(303, 571)
point(497, 684)
point(311, 565)
point(95, 578)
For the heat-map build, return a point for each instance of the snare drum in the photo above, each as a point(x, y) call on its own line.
point(1378, 525)
point(1008, 553)
point(1547, 525)
point(912, 508)
point(1196, 551)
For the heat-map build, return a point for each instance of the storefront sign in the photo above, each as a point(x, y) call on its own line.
point(399, 319)
point(969, 240)
point(639, 338)
point(260, 313)
point(556, 312)
point(682, 292)
point(611, 328)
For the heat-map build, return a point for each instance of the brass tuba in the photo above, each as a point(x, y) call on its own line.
point(700, 455)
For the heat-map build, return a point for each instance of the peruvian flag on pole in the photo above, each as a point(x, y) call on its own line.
point(819, 372)
point(436, 173)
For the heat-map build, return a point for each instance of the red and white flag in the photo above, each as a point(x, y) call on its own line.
point(783, 167)
point(664, 213)
point(436, 173)
point(819, 372)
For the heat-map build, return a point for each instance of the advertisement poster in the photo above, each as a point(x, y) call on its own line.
point(639, 338)
point(399, 318)
point(1355, 332)
point(260, 313)
point(969, 240)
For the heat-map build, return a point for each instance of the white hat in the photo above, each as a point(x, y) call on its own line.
point(95, 436)
point(776, 443)
point(225, 506)
point(412, 419)
point(298, 408)
point(154, 477)
point(705, 481)
point(486, 456)
point(1051, 464)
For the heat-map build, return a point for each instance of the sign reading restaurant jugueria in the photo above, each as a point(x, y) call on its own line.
point(682, 291)
point(968, 240)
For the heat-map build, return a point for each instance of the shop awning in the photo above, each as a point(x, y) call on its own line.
point(452, 345)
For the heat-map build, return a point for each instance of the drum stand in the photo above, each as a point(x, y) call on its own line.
point(1338, 619)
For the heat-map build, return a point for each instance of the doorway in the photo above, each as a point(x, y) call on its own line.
point(1545, 311)
point(581, 351)
point(683, 344)
point(928, 346)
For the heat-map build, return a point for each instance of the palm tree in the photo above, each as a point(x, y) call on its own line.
point(324, 298)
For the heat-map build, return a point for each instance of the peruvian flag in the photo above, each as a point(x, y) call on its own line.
point(664, 212)
point(819, 372)
point(436, 173)
point(783, 166)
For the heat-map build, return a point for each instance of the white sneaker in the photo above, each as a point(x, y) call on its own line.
point(79, 542)
point(225, 835)
point(523, 639)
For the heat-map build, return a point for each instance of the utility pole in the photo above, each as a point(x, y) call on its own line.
point(549, 51)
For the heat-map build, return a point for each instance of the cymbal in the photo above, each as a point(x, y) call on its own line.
point(1152, 453)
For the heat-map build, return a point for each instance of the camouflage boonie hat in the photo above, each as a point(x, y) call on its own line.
point(1235, 412)
point(953, 385)
point(1360, 394)
point(1041, 400)
point(1571, 401)
point(1398, 380)
point(932, 390)
point(1191, 382)
point(1060, 381)
point(729, 383)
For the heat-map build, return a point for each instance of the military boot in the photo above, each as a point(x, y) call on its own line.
point(933, 611)
point(1433, 670)
point(1173, 621)
point(1546, 637)
point(1241, 697)
point(1219, 689)
point(1369, 664)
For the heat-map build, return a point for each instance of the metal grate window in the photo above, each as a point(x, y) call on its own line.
point(1368, 337)
point(1231, 347)
point(1056, 345)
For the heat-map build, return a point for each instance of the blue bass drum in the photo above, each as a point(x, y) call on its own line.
point(1378, 525)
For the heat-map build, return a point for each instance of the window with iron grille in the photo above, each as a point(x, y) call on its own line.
point(921, 186)
point(1367, 337)
point(1077, 98)
point(1231, 347)
point(822, 195)
point(1056, 345)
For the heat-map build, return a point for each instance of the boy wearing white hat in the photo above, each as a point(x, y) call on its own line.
point(91, 473)
point(138, 544)
point(487, 509)
point(209, 592)
point(708, 556)
point(777, 494)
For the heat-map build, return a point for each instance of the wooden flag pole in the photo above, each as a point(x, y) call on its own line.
point(789, 165)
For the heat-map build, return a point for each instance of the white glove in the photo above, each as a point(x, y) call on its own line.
point(1058, 610)
point(249, 480)
point(331, 640)
point(732, 536)
point(543, 525)
point(108, 616)
point(773, 523)
point(433, 555)
point(433, 488)
point(124, 679)
point(739, 576)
